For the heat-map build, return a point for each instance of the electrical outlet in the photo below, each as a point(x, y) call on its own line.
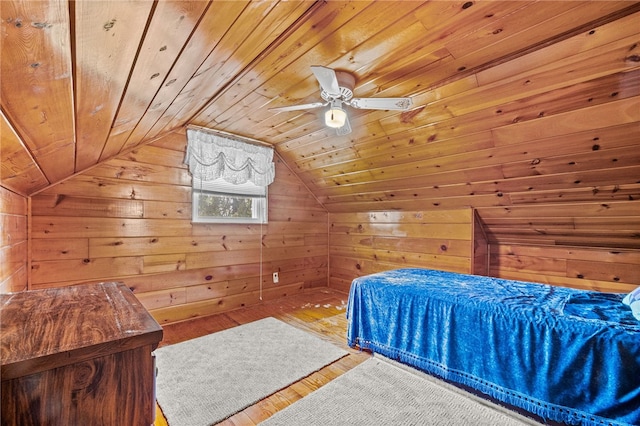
point(276, 278)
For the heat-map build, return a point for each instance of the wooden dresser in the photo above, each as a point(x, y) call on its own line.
point(79, 355)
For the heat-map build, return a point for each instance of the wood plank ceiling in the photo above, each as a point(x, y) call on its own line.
point(516, 104)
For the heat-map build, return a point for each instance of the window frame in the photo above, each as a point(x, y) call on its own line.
point(219, 187)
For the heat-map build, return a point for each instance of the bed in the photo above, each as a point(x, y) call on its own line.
point(565, 355)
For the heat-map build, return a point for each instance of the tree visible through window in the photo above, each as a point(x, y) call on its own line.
point(219, 201)
point(213, 205)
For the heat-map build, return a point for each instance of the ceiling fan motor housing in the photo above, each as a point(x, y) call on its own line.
point(346, 83)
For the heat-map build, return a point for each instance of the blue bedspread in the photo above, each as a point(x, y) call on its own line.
point(566, 355)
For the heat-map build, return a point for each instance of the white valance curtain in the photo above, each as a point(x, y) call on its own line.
point(211, 156)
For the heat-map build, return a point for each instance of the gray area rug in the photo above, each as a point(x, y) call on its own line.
point(382, 392)
point(205, 380)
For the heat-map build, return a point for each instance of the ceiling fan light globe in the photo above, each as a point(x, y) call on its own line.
point(335, 117)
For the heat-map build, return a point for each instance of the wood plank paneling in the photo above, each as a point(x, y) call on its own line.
point(204, 37)
point(57, 249)
point(36, 53)
point(578, 267)
point(68, 205)
point(563, 122)
point(13, 241)
point(49, 273)
point(596, 35)
point(18, 171)
point(113, 188)
point(232, 52)
point(129, 220)
point(524, 111)
point(608, 224)
point(596, 117)
point(365, 243)
point(106, 43)
point(171, 26)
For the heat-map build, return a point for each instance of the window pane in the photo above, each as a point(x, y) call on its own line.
point(231, 208)
point(211, 205)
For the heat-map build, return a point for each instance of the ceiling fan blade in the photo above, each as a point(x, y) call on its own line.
point(381, 103)
point(299, 107)
point(345, 129)
point(327, 79)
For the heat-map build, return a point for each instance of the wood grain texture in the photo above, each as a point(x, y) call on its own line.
point(362, 244)
point(522, 109)
point(614, 271)
point(104, 52)
point(18, 170)
point(65, 351)
point(170, 28)
point(205, 35)
point(37, 95)
point(83, 393)
point(129, 219)
point(13, 241)
point(65, 327)
point(595, 224)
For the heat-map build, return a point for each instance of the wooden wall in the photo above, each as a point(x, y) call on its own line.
point(13, 241)
point(610, 270)
point(457, 240)
point(129, 219)
point(365, 243)
point(480, 258)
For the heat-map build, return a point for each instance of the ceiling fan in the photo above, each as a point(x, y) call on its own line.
point(336, 88)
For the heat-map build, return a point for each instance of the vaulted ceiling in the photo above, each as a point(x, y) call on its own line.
point(515, 103)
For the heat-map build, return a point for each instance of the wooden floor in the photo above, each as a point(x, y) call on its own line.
point(319, 311)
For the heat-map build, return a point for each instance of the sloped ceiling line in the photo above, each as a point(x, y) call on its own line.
point(252, 64)
point(487, 79)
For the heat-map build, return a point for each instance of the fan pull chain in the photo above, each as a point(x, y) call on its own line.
point(261, 245)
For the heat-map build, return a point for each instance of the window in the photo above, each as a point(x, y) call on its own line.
point(230, 177)
point(219, 201)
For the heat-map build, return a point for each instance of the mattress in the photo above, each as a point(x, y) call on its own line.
point(563, 354)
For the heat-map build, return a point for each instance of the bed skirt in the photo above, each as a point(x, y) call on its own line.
point(566, 355)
